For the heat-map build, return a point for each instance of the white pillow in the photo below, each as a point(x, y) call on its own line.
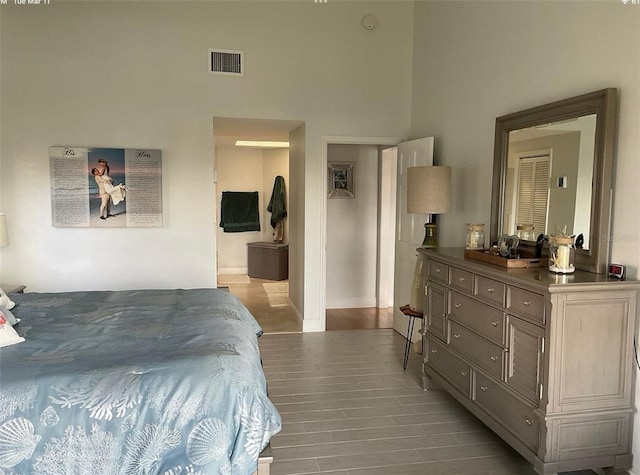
point(8, 335)
point(5, 301)
point(11, 318)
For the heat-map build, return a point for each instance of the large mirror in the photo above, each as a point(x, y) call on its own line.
point(552, 174)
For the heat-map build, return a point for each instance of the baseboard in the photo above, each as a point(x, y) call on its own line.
point(296, 312)
point(313, 326)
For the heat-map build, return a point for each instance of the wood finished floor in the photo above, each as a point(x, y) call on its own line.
point(283, 319)
point(348, 408)
point(359, 318)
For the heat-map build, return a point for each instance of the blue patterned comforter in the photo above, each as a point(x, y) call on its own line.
point(133, 382)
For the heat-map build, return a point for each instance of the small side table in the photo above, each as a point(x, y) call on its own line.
point(406, 310)
point(13, 288)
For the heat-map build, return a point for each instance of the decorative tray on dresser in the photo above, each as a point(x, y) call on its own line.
point(545, 360)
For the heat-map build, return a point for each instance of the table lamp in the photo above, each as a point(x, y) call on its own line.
point(429, 192)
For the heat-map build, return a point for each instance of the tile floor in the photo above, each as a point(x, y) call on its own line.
point(348, 408)
point(279, 319)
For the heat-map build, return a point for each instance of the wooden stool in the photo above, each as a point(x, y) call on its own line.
point(406, 310)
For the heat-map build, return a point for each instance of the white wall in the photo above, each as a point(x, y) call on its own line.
point(239, 169)
point(134, 74)
point(297, 238)
point(247, 169)
point(477, 60)
point(1, 206)
point(352, 232)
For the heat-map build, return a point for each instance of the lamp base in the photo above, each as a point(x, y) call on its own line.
point(430, 237)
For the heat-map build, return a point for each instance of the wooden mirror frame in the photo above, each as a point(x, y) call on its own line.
point(604, 104)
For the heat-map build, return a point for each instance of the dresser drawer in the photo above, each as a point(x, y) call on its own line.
point(487, 321)
point(448, 365)
point(437, 271)
point(514, 413)
point(481, 351)
point(461, 280)
point(436, 310)
point(490, 290)
point(525, 303)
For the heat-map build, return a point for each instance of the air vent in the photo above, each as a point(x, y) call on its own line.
point(226, 62)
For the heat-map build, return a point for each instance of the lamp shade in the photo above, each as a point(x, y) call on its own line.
point(4, 234)
point(428, 190)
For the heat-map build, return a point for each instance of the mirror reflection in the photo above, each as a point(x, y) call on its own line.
point(549, 178)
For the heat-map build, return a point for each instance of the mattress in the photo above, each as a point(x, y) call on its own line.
point(133, 382)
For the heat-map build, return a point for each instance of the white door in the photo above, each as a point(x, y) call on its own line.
point(387, 226)
point(409, 227)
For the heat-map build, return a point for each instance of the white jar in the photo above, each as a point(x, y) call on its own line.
point(475, 236)
point(525, 232)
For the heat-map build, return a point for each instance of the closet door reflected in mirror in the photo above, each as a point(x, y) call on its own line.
point(552, 169)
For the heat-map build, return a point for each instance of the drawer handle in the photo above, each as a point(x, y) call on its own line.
point(491, 290)
point(526, 303)
point(495, 323)
point(461, 279)
point(456, 335)
point(463, 373)
point(457, 305)
point(434, 351)
point(484, 388)
point(528, 421)
point(494, 358)
point(444, 315)
point(437, 269)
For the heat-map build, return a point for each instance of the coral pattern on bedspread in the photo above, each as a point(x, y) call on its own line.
point(162, 382)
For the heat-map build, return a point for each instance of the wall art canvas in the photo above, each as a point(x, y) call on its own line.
point(105, 187)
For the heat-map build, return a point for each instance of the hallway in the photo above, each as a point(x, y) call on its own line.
point(276, 317)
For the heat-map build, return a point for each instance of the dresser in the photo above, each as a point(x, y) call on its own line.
point(545, 360)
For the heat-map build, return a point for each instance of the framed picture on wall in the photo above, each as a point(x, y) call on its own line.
point(105, 187)
point(340, 180)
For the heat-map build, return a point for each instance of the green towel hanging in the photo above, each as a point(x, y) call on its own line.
point(239, 211)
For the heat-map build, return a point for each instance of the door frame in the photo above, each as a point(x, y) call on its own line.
point(326, 141)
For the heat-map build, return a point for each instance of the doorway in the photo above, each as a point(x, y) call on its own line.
point(360, 236)
point(254, 169)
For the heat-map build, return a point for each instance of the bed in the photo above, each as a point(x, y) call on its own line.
point(133, 382)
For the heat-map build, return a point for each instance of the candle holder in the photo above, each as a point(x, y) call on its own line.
point(562, 254)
